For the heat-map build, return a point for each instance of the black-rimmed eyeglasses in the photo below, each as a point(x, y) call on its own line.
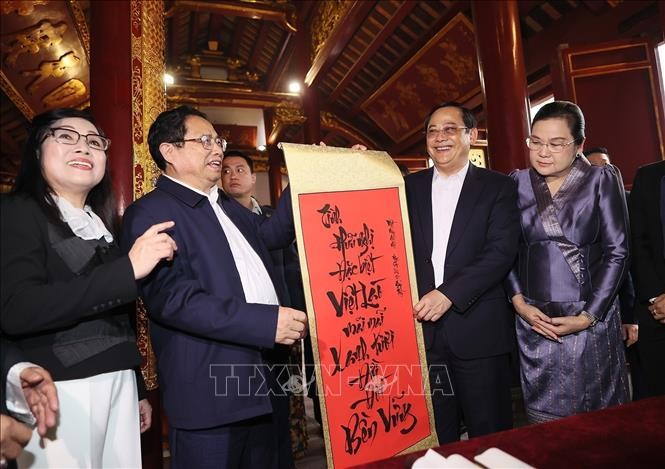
point(206, 141)
point(71, 137)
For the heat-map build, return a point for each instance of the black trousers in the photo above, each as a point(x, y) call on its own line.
point(477, 390)
point(247, 444)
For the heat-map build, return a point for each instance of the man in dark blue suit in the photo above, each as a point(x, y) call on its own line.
point(465, 229)
point(214, 309)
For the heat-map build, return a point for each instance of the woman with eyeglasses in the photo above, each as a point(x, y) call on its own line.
point(67, 293)
point(573, 256)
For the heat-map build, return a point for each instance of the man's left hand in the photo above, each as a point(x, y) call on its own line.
point(432, 306)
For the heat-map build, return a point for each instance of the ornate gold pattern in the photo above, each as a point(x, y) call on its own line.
point(65, 95)
point(289, 114)
point(51, 68)
point(21, 7)
point(15, 97)
point(148, 100)
point(331, 121)
point(81, 25)
point(326, 19)
point(477, 157)
point(32, 39)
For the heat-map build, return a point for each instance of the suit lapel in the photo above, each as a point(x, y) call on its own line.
point(424, 206)
point(469, 195)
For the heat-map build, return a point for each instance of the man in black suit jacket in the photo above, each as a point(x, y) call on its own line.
point(465, 229)
point(647, 220)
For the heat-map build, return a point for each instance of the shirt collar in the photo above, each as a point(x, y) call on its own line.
point(212, 195)
point(256, 208)
point(459, 175)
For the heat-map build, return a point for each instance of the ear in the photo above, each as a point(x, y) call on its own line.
point(580, 147)
point(473, 136)
point(167, 151)
point(253, 178)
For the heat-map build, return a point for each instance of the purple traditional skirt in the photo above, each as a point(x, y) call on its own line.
point(586, 372)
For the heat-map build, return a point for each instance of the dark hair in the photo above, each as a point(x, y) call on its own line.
point(470, 121)
point(566, 110)
point(169, 127)
point(242, 155)
point(596, 150)
point(30, 181)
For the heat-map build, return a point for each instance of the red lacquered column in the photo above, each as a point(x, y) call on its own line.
point(503, 79)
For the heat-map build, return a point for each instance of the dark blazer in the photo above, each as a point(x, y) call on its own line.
point(207, 339)
point(481, 250)
point(646, 224)
point(62, 298)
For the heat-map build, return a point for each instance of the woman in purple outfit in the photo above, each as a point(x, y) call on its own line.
point(573, 256)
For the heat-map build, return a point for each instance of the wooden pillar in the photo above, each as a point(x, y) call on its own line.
point(275, 158)
point(503, 80)
point(110, 90)
point(123, 72)
point(310, 101)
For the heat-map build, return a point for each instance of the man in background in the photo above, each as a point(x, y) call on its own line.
point(647, 226)
point(600, 156)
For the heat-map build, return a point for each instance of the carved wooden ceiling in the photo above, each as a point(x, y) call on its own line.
point(376, 66)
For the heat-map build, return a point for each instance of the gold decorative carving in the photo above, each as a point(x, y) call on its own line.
point(477, 157)
point(51, 68)
point(81, 25)
point(15, 97)
point(21, 7)
point(65, 95)
point(287, 114)
point(32, 39)
point(328, 16)
point(148, 100)
point(331, 121)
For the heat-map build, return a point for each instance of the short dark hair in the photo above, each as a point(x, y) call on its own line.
point(596, 150)
point(570, 112)
point(470, 121)
point(169, 127)
point(242, 155)
point(30, 181)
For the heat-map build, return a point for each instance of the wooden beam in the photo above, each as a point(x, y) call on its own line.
point(259, 45)
point(283, 14)
point(217, 92)
point(193, 32)
point(397, 18)
point(456, 8)
point(340, 37)
point(239, 31)
point(280, 63)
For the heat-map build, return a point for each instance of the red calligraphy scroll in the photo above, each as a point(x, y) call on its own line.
point(371, 379)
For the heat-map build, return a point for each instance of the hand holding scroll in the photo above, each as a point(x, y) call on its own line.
point(291, 325)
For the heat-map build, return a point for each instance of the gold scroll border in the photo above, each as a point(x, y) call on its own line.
point(148, 99)
point(321, 182)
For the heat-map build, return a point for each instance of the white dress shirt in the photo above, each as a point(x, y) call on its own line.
point(256, 282)
point(445, 195)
